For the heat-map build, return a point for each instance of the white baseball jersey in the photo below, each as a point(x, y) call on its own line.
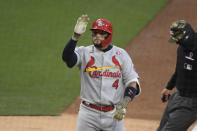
point(195, 128)
point(104, 75)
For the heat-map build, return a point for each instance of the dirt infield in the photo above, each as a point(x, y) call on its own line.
point(65, 122)
point(154, 60)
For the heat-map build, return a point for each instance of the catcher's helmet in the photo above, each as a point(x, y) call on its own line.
point(104, 25)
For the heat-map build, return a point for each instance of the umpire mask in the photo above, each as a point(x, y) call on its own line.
point(182, 33)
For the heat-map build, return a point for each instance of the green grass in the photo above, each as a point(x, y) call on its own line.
point(33, 33)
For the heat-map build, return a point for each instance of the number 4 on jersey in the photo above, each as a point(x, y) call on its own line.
point(115, 84)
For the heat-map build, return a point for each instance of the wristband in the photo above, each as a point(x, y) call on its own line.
point(130, 92)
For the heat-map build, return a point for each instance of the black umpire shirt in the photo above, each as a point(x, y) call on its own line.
point(185, 76)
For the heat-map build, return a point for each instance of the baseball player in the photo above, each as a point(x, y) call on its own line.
point(108, 78)
point(181, 110)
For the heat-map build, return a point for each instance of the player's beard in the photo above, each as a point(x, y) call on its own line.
point(98, 45)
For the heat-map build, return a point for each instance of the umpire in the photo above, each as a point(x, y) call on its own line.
point(181, 110)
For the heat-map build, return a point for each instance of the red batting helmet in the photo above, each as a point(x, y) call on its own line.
point(104, 25)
